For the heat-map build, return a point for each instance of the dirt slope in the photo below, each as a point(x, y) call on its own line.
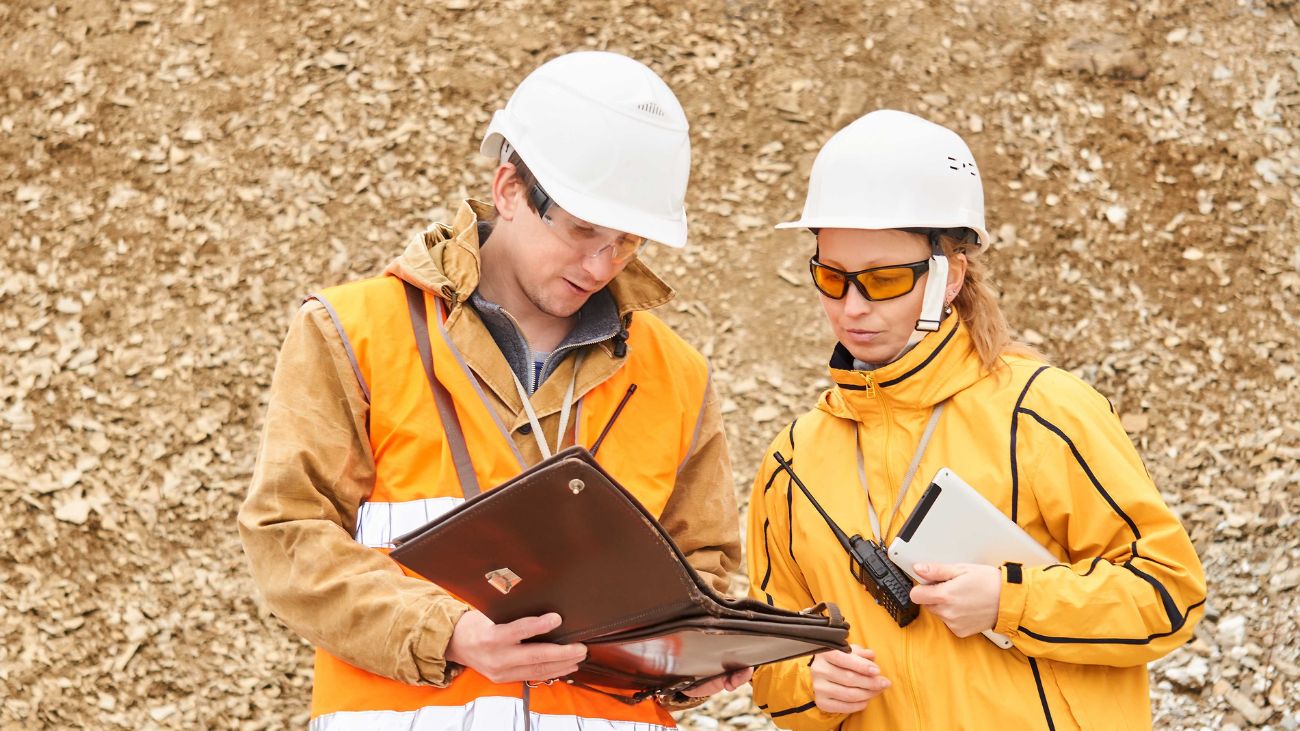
point(174, 177)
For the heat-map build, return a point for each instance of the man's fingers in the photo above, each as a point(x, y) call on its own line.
point(526, 627)
point(499, 651)
point(548, 671)
point(507, 672)
point(540, 653)
point(513, 667)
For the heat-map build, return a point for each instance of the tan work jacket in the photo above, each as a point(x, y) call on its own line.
point(316, 468)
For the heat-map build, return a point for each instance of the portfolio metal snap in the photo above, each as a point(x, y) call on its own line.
point(503, 580)
point(575, 486)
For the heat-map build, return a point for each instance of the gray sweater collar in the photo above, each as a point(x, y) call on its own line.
point(597, 321)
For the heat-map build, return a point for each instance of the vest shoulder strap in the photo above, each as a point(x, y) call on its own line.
point(446, 409)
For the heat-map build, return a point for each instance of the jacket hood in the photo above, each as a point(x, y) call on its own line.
point(941, 365)
point(444, 260)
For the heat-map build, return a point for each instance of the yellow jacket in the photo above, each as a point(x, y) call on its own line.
point(1049, 451)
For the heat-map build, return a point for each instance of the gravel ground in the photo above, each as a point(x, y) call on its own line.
point(174, 177)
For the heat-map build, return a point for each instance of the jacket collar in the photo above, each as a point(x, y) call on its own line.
point(941, 365)
point(598, 321)
point(445, 260)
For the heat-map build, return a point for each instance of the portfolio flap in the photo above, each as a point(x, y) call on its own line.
point(555, 539)
point(565, 537)
point(669, 656)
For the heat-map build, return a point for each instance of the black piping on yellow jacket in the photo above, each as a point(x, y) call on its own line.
point(1049, 451)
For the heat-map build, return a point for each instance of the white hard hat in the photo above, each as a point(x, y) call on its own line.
point(607, 140)
point(891, 169)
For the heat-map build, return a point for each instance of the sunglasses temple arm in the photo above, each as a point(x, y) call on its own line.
point(932, 303)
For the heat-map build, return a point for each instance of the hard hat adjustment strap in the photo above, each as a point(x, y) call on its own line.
point(540, 199)
point(932, 302)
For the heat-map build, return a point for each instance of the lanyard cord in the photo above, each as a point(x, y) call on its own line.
point(565, 408)
point(907, 481)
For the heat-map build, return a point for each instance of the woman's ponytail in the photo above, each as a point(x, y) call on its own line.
point(977, 305)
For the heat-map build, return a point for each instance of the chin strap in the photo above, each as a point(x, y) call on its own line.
point(932, 302)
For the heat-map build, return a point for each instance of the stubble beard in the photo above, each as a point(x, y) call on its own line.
point(548, 305)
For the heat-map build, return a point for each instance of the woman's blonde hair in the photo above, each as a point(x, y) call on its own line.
point(977, 305)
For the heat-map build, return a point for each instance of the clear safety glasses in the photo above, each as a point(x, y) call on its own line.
point(585, 238)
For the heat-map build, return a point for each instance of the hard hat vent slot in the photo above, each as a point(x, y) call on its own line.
point(652, 108)
point(955, 164)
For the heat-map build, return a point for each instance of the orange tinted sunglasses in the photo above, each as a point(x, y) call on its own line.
point(874, 284)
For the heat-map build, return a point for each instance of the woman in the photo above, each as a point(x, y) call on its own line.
point(897, 208)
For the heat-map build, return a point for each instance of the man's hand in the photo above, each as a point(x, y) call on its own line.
point(730, 681)
point(964, 595)
point(495, 650)
point(843, 682)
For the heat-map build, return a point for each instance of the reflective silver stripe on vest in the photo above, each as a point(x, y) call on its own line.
point(699, 420)
point(347, 344)
point(379, 523)
point(491, 713)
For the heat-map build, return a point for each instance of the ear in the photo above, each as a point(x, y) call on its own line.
point(956, 276)
point(506, 192)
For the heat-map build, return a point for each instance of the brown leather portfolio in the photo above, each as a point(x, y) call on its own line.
point(565, 537)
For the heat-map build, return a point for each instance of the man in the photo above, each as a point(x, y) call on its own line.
point(536, 325)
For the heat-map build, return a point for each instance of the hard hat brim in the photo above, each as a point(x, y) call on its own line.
point(856, 222)
point(669, 231)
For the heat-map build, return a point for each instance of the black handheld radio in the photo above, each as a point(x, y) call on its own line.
point(869, 563)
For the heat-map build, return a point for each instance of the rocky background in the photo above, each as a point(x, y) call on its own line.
point(175, 176)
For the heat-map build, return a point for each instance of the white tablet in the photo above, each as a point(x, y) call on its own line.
point(953, 523)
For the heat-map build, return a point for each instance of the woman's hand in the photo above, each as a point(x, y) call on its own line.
point(843, 682)
point(964, 595)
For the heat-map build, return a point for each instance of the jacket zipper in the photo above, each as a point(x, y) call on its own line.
point(906, 667)
point(559, 352)
point(619, 338)
point(911, 673)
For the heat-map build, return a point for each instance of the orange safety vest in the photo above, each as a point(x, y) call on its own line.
point(415, 480)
